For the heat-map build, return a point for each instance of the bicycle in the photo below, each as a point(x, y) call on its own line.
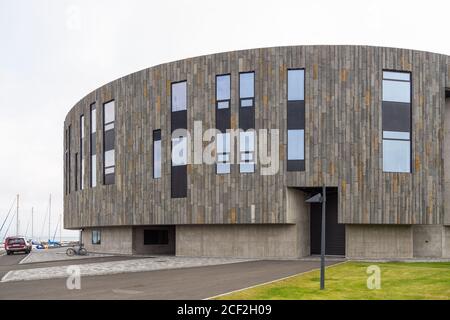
point(81, 251)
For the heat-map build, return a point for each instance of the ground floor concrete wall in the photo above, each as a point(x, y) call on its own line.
point(446, 243)
point(428, 241)
point(290, 240)
point(244, 241)
point(298, 213)
point(379, 241)
point(447, 201)
point(276, 240)
point(113, 240)
point(397, 242)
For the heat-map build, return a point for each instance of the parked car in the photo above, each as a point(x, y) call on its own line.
point(17, 244)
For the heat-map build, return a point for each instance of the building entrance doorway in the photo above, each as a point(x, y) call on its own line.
point(335, 233)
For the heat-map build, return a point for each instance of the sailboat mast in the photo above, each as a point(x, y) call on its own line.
point(49, 214)
point(17, 216)
point(60, 228)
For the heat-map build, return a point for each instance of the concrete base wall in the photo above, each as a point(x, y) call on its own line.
point(446, 243)
point(427, 241)
point(252, 240)
point(113, 240)
point(244, 241)
point(298, 213)
point(277, 241)
point(379, 241)
point(447, 202)
point(397, 242)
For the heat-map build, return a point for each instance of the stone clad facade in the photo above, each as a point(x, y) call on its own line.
point(342, 150)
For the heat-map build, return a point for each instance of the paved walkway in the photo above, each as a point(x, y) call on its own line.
point(115, 267)
point(56, 254)
point(12, 262)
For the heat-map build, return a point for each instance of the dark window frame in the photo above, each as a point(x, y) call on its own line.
point(156, 133)
point(76, 171)
point(247, 152)
point(81, 151)
point(69, 173)
point(215, 92)
point(66, 158)
point(411, 92)
point(104, 142)
point(178, 120)
point(239, 89)
point(250, 110)
point(92, 147)
point(171, 95)
point(98, 237)
point(295, 165)
point(229, 122)
point(224, 154)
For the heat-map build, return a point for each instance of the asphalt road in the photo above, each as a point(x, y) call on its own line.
point(187, 283)
point(8, 262)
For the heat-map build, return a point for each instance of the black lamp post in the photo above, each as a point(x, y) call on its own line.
point(321, 198)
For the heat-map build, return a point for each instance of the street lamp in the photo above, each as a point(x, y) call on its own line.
point(318, 198)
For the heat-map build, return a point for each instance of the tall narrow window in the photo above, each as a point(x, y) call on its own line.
point(109, 162)
point(223, 144)
point(223, 123)
point(178, 120)
point(93, 147)
point(66, 158)
point(69, 164)
point(396, 113)
point(179, 151)
point(247, 121)
point(247, 151)
point(82, 152)
point(76, 171)
point(223, 91)
point(179, 96)
point(296, 120)
point(156, 154)
point(96, 237)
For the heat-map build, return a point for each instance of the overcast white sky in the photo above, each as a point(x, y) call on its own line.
point(52, 53)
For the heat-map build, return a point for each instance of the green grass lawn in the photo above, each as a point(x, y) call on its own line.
point(349, 281)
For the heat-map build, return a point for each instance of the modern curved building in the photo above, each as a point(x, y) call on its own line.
point(143, 174)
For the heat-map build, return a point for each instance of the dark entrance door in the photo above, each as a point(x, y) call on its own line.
point(335, 233)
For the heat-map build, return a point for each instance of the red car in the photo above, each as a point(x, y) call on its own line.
point(16, 244)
